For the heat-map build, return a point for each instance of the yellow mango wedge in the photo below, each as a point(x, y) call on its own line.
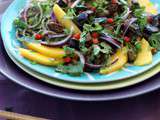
point(38, 58)
point(144, 56)
point(67, 23)
point(45, 50)
point(121, 57)
point(150, 8)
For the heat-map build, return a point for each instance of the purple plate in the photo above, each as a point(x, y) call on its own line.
point(14, 73)
point(10, 70)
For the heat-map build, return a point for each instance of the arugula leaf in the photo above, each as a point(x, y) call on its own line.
point(91, 28)
point(69, 51)
point(87, 27)
point(154, 40)
point(99, 54)
point(139, 13)
point(101, 5)
point(46, 6)
point(71, 14)
point(105, 48)
point(97, 27)
point(118, 29)
point(46, 9)
point(20, 24)
point(83, 42)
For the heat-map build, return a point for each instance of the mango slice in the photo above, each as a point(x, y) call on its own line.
point(67, 23)
point(150, 8)
point(38, 58)
point(45, 50)
point(144, 56)
point(121, 57)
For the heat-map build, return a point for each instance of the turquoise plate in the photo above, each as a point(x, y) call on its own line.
point(10, 41)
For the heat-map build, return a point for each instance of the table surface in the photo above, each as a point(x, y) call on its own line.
point(22, 100)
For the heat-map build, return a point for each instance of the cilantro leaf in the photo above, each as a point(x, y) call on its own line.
point(19, 23)
point(139, 13)
point(71, 13)
point(91, 28)
point(83, 42)
point(69, 51)
point(96, 49)
point(105, 48)
point(154, 40)
point(74, 70)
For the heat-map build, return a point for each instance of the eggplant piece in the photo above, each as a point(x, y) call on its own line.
point(82, 16)
point(135, 29)
point(156, 21)
point(62, 3)
point(54, 26)
point(103, 14)
point(131, 55)
point(149, 30)
point(127, 24)
point(74, 43)
point(112, 8)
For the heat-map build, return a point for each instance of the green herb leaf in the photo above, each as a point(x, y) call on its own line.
point(124, 2)
point(83, 42)
point(91, 28)
point(154, 40)
point(141, 17)
point(20, 24)
point(96, 49)
point(71, 14)
point(105, 48)
point(69, 51)
point(74, 70)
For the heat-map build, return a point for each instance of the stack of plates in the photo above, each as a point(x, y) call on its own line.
point(128, 76)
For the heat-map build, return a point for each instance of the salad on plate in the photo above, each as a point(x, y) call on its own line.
point(76, 36)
